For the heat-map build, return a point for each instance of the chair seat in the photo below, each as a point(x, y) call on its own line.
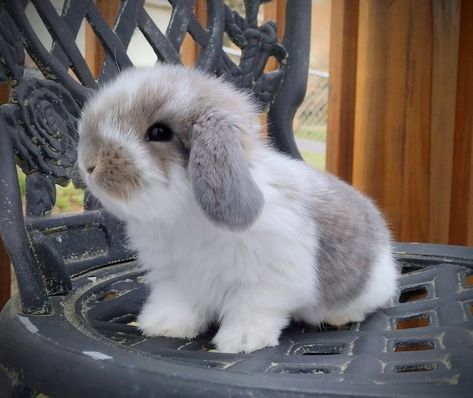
point(422, 344)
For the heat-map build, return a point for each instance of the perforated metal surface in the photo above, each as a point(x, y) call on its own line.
point(424, 337)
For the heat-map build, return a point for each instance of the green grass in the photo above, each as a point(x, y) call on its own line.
point(316, 160)
point(314, 134)
point(21, 182)
point(68, 199)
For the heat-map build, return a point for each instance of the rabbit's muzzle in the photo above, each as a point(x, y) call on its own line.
point(114, 172)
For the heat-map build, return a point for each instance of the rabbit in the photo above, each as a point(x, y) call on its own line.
point(228, 229)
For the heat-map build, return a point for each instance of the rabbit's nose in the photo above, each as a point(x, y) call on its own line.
point(91, 169)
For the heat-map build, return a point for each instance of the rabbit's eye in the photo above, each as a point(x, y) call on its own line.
point(159, 132)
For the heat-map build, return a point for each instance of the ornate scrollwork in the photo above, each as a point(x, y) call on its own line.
point(42, 124)
point(11, 49)
point(42, 117)
point(257, 44)
point(48, 115)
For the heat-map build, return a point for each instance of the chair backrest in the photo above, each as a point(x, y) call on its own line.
point(38, 126)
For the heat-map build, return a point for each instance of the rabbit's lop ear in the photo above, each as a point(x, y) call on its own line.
point(220, 175)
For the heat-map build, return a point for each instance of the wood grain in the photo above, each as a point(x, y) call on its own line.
point(342, 83)
point(4, 93)
point(394, 127)
point(446, 30)
point(405, 112)
point(275, 11)
point(94, 52)
point(380, 105)
point(461, 215)
point(190, 49)
point(415, 193)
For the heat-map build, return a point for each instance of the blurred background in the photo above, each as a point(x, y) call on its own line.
point(388, 107)
point(311, 119)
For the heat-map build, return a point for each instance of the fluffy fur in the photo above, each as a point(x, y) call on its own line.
point(228, 229)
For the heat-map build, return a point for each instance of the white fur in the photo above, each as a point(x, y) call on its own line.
point(253, 281)
point(250, 281)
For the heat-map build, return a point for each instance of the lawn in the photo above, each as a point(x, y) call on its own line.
point(315, 159)
point(314, 133)
point(68, 199)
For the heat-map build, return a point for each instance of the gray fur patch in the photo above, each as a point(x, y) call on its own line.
point(220, 176)
point(351, 231)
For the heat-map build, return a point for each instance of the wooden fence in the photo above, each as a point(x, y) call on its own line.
point(400, 122)
point(401, 112)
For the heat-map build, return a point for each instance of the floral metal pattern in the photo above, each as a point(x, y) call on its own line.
point(42, 117)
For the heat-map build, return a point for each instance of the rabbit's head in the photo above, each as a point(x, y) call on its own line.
point(159, 131)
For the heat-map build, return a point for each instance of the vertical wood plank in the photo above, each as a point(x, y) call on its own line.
point(275, 11)
point(415, 198)
point(392, 126)
point(461, 215)
point(446, 29)
point(94, 53)
point(190, 49)
point(4, 93)
point(279, 17)
point(393, 129)
point(379, 128)
point(342, 83)
point(5, 268)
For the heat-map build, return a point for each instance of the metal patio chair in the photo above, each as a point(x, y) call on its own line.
point(71, 331)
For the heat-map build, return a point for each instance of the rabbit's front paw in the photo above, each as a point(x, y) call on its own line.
point(342, 318)
point(245, 340)
point(249, 334)
point(168, 322)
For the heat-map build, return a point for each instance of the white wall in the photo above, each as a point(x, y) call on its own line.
point(142, 54)
point(139, 51)
point(42, 32)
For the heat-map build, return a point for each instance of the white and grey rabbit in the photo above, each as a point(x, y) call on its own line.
point(228, 229)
